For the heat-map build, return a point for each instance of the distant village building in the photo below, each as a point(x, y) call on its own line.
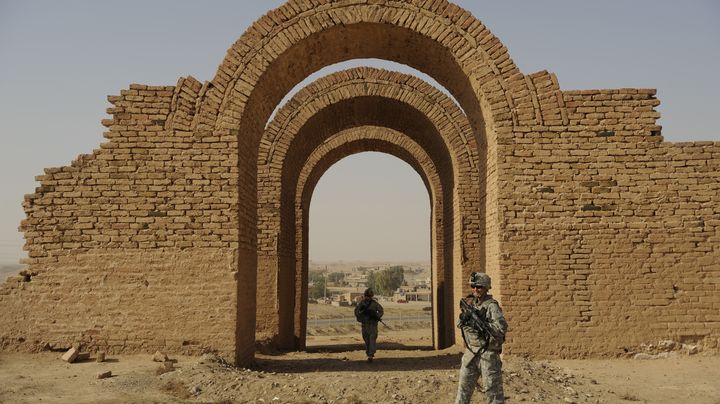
point(346, 299)
point(352, 297)
point(356, 279)
point(415, 294)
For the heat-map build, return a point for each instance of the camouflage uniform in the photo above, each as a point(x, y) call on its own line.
point(369, 312)
point(486, 364)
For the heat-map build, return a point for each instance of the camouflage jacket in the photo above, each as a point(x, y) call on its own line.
point(490, 311)
point(367, 311)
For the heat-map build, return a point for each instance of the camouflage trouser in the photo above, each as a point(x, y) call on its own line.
point(487, 365)
point(369, 334)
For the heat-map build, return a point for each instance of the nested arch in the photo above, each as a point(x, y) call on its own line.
point(347, 99)
point(366, 139)
point(300, 37)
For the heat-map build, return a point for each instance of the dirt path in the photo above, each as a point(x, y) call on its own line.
point(405, 371)
point(677, 379)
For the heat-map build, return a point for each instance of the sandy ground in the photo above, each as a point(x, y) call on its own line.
point(334, 370)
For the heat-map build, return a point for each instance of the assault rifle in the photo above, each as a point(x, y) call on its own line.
point(470, 316)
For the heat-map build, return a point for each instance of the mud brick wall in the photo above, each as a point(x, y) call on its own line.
point(610, 236)
point(132, 247)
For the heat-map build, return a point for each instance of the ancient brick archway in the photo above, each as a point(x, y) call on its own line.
point(349, 99)
point(591, 223)
point(277, 52)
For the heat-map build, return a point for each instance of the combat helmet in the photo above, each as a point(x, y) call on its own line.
point(480, 279)
point(369, 292)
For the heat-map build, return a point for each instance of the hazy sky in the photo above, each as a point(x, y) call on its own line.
point(60, 59)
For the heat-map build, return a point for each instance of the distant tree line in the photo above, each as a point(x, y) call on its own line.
point(320, 280)
point(386, 281)
point(383, 282)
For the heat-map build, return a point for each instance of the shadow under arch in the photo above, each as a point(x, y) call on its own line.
point(434, 360)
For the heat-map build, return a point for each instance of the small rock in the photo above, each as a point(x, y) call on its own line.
point(667, 345)
point(195, 390)
point(70, 355)
point(159, 357)
point(82, 357)
point(644, 356)
point(169, 366)
point(569, 400)
point(690, 349)
point(104, 375)
point(100, 357)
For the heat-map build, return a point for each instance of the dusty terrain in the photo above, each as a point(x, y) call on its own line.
point(333, 370)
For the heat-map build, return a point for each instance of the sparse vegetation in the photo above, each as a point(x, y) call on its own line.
point(318, 285)
point(386, 281)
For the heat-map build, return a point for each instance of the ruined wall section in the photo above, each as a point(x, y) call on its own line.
point(609, 234)
point(132, 247)
point(537, 102)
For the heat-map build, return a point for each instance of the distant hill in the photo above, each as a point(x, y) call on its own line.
point(9, 270)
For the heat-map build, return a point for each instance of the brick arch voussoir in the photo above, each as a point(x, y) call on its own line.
point(481, 57)
point(447, 118)
point(364, 139)
point(450, 121)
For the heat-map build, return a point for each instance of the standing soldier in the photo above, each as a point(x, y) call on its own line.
point(369, 312)
point(483, 328)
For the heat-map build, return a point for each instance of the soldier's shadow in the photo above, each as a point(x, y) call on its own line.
point(381, 345)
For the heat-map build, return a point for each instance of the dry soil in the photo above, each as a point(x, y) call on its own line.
point(334, 370)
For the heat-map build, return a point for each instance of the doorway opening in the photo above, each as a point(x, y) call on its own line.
point(369, 228)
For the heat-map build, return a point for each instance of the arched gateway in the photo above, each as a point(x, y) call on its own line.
point(599, 237)
point(335, 104)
